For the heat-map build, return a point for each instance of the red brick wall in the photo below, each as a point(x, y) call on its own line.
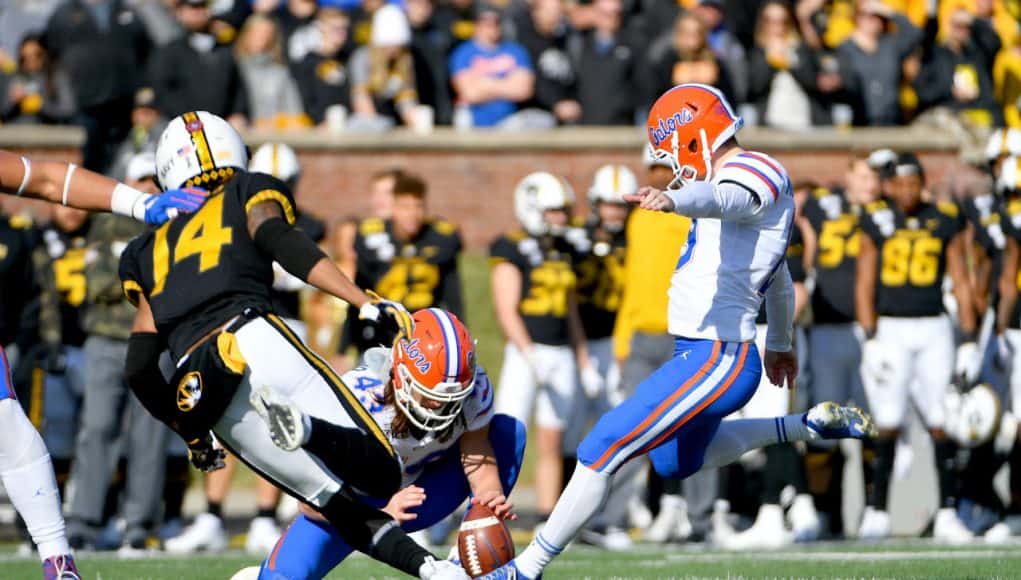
point(474, 189)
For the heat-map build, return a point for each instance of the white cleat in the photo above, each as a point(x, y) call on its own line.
point(263, 534)
point(722, 530)
point(206, 533)
point(667, 523)
point(768, 531)
point(639, 515)
point(613, 539)
point(804, 519)
point(1003, 531)
point(950, 529)
point(875, 524)
point(288, 426)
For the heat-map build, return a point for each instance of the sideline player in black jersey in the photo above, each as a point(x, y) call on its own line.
point(534, 293)
point(600, 275)
point(202, 284)
point(907, 247)
point(834, 340)
point(408, 257)
point(1008, 330)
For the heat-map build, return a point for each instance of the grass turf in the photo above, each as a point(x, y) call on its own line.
point(894, 560)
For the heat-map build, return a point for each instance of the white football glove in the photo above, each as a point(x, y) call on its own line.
point(967, 362)
point(592, 382)
point(442, 570)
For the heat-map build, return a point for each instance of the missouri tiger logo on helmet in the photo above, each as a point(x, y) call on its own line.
point(686, 125)
point(434, 369)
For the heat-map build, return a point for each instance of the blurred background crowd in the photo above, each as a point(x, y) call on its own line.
point(351, 65)
point(121, 68)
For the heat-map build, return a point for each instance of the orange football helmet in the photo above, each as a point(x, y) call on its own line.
point(687, 124)
point(437, 362)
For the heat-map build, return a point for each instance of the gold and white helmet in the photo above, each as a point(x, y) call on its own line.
point(973, 417)
point(276, 159)
point(537, 193)
point(198, 149)
point(611, 183)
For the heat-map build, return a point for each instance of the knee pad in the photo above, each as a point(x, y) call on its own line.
point(22, 444)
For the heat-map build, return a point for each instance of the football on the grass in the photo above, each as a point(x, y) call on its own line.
point(484, 543)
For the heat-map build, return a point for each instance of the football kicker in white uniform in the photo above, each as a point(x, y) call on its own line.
point(743, 211)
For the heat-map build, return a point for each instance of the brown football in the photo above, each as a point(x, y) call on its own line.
point(484, 543)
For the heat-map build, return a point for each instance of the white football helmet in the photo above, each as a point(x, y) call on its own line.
point(973, 417)
point(198, 149)
point(537, 193)
point(276, 159)
point(611, 183)
point(1003, 142)
point(1009, 179)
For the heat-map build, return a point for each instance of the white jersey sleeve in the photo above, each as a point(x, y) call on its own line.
point(478, 407)
point(742, 222)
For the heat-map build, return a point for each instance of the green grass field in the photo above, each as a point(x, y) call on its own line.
point(895, 560)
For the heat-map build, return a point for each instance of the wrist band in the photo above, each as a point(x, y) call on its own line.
point(67, 182)
point(27, 176)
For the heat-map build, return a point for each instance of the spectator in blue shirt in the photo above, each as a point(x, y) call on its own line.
point(491, 75)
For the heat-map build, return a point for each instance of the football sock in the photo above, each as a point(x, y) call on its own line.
point(269, 512)
point(346, 451)
point(780, 470)
point(945, 453)
point(737, 436)
point(175, 486)
point(215, 508)
point(27, 473)
point(886, 451)
point(824, 469)
point(582, 498)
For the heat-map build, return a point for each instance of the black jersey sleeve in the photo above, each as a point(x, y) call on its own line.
point(868, 225)
point(796, 256)
point(262, 187)
point(504, 250)
point(954, 215)
point(130, 271)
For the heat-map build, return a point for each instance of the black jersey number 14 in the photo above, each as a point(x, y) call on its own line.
point(203, 235)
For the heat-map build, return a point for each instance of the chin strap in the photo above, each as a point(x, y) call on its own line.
point(707, 155)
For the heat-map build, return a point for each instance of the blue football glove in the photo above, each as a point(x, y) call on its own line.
point(172, 202)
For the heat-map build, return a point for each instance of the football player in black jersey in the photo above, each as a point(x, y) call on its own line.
point(1008, 340)
point(202, 285)
point(408, 257)
point(534, 293)
point(834, 341)
point(59, 262)
point(906, 248)
point(600, 275)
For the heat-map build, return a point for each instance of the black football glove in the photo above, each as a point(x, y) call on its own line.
point(391, 319)
point(204, 456)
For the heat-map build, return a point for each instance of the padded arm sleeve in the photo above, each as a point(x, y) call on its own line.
point(142, 371)
point(294, 250)
point(780, 311)
point(702, 199)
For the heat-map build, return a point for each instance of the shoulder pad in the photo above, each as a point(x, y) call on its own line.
point(821, 192)
point(874, 206)
point(948, 208)
point(444, 228)
point(371, 226)
point(20, 222)
point(516, 235)
point(578, 222)
point(1014, 207)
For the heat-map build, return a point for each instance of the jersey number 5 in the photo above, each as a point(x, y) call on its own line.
point(914, 261)
point(838, 239)
point(203, 235)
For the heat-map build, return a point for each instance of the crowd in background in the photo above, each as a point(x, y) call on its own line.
point(371, 65)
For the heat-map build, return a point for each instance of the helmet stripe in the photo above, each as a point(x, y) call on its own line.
point(726, 105)
point(450, 341)
point(193, 124)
